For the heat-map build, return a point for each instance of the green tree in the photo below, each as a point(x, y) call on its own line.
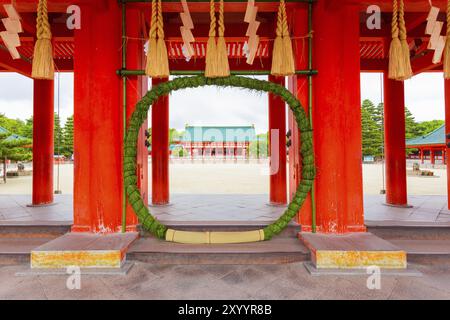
point(259, 146)
point(12, 148)
point(27, 130)
point(372, 130)
point(427, 127)
point(12, 125)
point(410, 125)
point(58, 135)
point(67, 145)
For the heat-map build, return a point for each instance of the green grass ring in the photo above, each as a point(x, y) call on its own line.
point(138, 117)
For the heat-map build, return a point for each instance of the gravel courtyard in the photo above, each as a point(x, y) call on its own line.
point(244, 178)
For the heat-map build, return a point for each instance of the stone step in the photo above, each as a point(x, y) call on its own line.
point(290, 232)
point(33, 230)
point(276, 251)
point(17, 250)
point(413, 232)
point(425, 251)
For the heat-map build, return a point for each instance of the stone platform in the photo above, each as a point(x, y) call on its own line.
point(355, 250)
point(83, 250)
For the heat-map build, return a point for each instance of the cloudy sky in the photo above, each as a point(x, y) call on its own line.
point(217, 106)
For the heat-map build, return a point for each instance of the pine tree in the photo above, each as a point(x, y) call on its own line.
point(57, 135)
point(372, 133)
point(27, 130)
point(67, 145)
point(410, 125)
point(12, 147)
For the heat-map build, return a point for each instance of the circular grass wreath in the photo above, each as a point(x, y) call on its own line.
point(151, 224)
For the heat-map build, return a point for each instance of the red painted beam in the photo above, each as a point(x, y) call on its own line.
point(19, 65)
point(424, 63)
point(373, 65)
point(43, 113)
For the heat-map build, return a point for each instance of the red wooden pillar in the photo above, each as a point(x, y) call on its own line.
point(337, 118)
point(277, 121)
point(136, 88)
point(43, 148)
point(160, 149)
point(421, 152)
point(395, 143)
point(98, 120)
point(432, 156)
point(298, 85)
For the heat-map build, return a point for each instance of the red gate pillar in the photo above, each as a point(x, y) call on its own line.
point(98, 120)
point(43, 148)
point(337, 118)
point(298, 85)
point(160, 149)
point(277, 121)
point(395, 143)
point(136, 88)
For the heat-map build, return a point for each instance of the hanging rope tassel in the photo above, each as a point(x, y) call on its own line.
point(43, 66)
point(404, 42)
point(161, 49)
point(288, 66)
point(223, 67)
point(211, 47)
point(151, 65)
point(447, 46)
point(277, 54)
point(396, 68)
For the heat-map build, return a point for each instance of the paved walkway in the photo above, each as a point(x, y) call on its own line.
point(290, 281)
point(426, 210)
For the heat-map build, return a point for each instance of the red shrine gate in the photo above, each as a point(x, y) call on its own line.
point(341, 47)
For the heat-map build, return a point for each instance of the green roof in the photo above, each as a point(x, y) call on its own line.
point(219, 134)
point(437, 137)
point(14, 137)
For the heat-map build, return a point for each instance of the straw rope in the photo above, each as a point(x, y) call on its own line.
point(150, 69)
point(43, 65)
point(407, 71)
point(395, 61)
point(283, 55)
point(223, 67)
point(211, 47)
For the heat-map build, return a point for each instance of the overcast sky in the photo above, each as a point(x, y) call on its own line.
point(218, 106)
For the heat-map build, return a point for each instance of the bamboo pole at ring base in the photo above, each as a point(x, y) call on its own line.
point(206, 237)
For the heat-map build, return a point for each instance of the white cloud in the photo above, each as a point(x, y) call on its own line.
point(424, 94)
point(16, 95)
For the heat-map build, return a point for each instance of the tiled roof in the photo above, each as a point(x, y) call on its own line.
point(437, 137)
